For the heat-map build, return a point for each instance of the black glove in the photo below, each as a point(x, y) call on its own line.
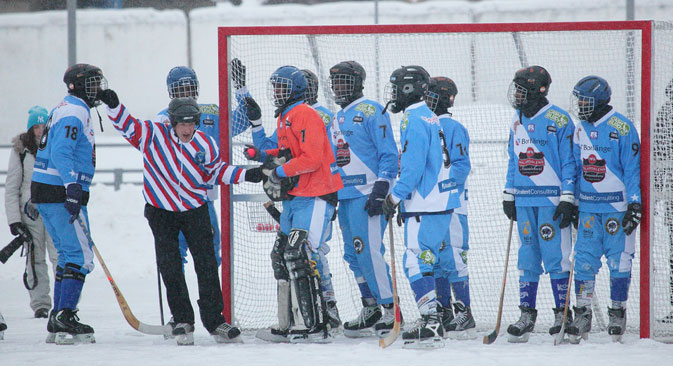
point(400, 219)
point(109, 97)
point(254, 175)
point(31, 211)
point(566, 209)
point(238, 73)
point(632, 218)
point(253, 112)
point(255, 155)
point(374, 205)
point(20, 229)
point(73, 200)
point(508, 205)
point(389, 207)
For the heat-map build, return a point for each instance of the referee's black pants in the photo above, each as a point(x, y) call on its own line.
point(195, 225)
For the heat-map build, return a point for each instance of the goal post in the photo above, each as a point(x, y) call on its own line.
point(635, 57)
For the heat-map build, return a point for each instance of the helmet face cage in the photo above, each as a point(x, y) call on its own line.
point(311, 89)
point(582, 106)
point(279, 90)
point(184, 88)
point(342, 86)
point(92, 85)
point(517, 95)
point(390, 93)
point(431, 99)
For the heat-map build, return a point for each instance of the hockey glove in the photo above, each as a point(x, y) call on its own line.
point(253, 112)
point(238, 73)
point(374, 205)
point(254, 175)
point(566, 210)
point(73, 200)
point(109, 97)
point(251, 152)
point(508, 205)
point(389, 207)
point(20, 229)
point(631, 218)
point(31, 211)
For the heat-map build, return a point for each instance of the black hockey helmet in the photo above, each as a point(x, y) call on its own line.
point(347, 81)
point(440, 94)
point(311, 86)
point(407, 86)
point(85, 81)
point(184, 110)
point(529, 86)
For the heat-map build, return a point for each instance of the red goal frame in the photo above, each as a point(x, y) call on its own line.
point(645, 27)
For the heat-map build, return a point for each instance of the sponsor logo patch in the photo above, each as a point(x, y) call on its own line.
point(547, 232)
point(359, 244)
point(427, 257)
point(531, 162)
point(621, 126)
point(612, 226)
point(593, 169)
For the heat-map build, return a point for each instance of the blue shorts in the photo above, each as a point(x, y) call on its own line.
point(453, 252)
point(423, 237)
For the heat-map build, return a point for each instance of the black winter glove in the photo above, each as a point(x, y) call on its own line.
point(374, 205)
point(253, 112)
point(254, 175)
point(251, 152)
point(508, 205)
point(566, 210)
point(20, 229)
point(109, 97)
point(238, 73)
point(631, 218)
point(73, 200)
point(389, 207)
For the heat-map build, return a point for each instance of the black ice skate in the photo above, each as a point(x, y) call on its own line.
point(580, 327)
point(384, 325)
point(317, 334)
point(521, 329)
point(462, 327)
point(69, 330)
point(333, 318)
point(447, 317)
point(51, 335)
point(363, 325)
point(616, 323)
point(184, 334)
point(273, 334)
point(558, 320)
point(225, 333)
point(428, 332)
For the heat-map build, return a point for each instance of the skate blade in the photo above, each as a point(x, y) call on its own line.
point(222, 339)
point(360, 333)
point(518, 339)
point(51, 338)
point(64, 338)
point(309, 338)
point(266, 335)
point(432, 343)
point(2, 335)
point(617, 338)
point(575, 339)
point(185, 339)
point(462, 335)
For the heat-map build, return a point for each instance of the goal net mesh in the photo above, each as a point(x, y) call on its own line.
point(482, 64)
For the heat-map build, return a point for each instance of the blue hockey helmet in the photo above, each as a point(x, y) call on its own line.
point(182, 83)
point(590, 95)
point(287, 85)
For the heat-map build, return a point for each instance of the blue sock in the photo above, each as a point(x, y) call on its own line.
point(527, 293)
point(365, 292)
point(462, 290)
point(443, 291)
point(426, 298)
point(57, 288)
point(619, 288)
point(559, 287)
point(71, 288)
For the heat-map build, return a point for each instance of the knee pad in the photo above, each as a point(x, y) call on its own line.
point(277, 260)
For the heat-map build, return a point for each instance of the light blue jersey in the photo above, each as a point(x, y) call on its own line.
point(541, 165)
point(69, 155)
point(424, 183)
point(364, 147)
point(457, 145)
point(607, 153)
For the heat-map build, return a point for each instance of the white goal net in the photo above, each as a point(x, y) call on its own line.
point(482, 60)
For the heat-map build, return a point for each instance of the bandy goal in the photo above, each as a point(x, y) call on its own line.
point(635, 57)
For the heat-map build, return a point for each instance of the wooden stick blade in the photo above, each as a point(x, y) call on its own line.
point(490, 338)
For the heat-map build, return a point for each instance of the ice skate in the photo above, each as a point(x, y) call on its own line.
point(273, 334)
point(69, 330)
point(616, 323)
point(462, 327)
point(428, 332)
point(184, 334)
point(225, 333)
point(51, 335)
point(447, 317)
point(521, 329)
point(317, 334)
point(558, 320)
point(363, 325)
point(387, 321)
point(580, 327)
point(333, 318)
point(170, 335)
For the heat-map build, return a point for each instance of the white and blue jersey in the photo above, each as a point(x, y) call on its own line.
point(608, 154)
point(424, 184)
point(364, 147)
point(541, 166)
point(69, 155)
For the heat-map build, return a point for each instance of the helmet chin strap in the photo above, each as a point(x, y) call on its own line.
point(100, 120)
